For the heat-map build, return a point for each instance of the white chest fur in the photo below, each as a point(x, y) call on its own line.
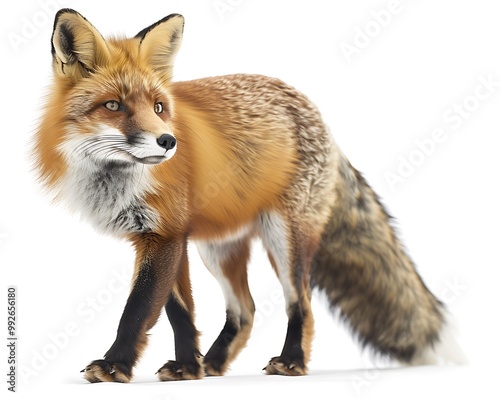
point(109, 195)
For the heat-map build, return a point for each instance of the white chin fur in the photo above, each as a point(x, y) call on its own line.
point(446, 350)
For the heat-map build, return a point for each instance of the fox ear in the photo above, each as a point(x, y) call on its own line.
point(160, 42)
point(77, 47)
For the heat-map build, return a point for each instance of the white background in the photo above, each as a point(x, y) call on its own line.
point(403, 83)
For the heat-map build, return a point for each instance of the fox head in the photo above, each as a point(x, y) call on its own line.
point(110, 97)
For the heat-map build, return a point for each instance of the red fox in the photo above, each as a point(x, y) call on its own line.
point(219, 161)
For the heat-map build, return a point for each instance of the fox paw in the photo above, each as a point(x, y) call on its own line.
point(177, 371)
point(106, 371)
point(285, 366)
point(213, 368)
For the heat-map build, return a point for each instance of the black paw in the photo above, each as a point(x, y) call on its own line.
point(107, 371)
point(177, 371)
point(284, 365)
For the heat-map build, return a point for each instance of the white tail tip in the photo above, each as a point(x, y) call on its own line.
point(447, 350)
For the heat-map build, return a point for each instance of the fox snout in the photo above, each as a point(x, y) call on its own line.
point(110, 143)
point(166, 141)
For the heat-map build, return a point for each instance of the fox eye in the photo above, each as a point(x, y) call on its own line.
point(158, 108)
point(113, 105)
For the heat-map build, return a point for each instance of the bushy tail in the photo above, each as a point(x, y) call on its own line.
point(366, 274)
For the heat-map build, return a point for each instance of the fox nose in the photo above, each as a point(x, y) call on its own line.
point(166, 141)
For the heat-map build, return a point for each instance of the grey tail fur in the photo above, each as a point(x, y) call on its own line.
point(365, 272)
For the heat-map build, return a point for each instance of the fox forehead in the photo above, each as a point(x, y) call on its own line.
point(123, 82)
point(123, 75)
point(134, 90)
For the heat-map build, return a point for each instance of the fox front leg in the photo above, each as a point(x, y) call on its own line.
point(158, 262)
point(180, 312)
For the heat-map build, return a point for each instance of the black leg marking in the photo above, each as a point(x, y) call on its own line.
point(293, 342)
point(291, 361)
point(137, 310)
point(216, 357)
point(186, 349)
point(187, 364)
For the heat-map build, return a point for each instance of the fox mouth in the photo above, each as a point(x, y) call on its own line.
point(128, 155)
point(151, 160)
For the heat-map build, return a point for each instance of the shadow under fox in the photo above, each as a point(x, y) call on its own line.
point(219, 161)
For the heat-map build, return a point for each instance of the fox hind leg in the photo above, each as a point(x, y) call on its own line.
point(291, 263)
point(227, 261)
